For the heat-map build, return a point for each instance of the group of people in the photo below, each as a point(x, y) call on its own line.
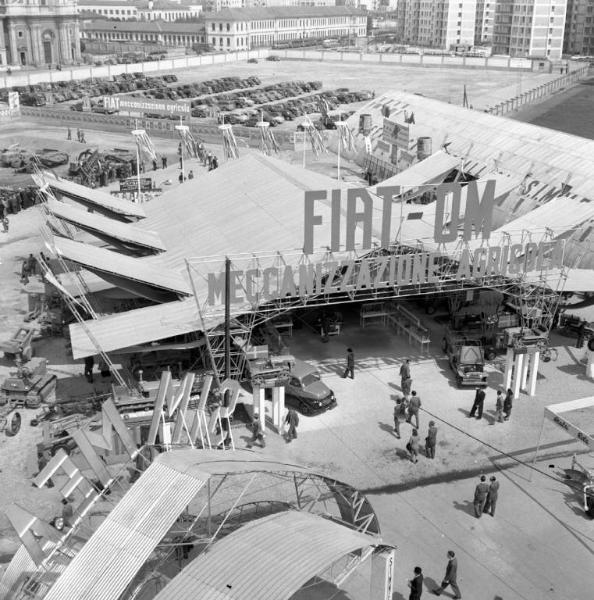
point(485, 496)
point(80, 135)
point(291, 423)
point(407, 408)
point(450, 579)
point(503, 405)
point(13, 200)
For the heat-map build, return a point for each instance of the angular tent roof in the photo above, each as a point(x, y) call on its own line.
point(286, 550)
point(104, 227)
point(107, 262)
point(101, 201)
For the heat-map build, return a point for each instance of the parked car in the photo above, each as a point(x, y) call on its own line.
point(306, 392)
point(466, 358)
point(273, 57)
point(253, 60)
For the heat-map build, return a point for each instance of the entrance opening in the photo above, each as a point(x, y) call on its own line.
point(47, 52)
point(23, 58)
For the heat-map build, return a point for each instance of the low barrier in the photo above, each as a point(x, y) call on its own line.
point(412, 60)
point(209, 133)
point(539, 92)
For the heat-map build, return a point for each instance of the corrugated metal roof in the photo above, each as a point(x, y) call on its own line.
point(125, 232)
point(20, 563)
point(100, 199)
point(137, 327)
point(268, 559)
point(146, 270)
point(123, 542)
point(518, 148)
point(430, 170)
point(281, 12)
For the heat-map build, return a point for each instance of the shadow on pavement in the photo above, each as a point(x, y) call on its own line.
point(466, 506)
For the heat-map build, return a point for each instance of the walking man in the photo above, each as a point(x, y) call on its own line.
point(414, 405)
point(5, 224)
point(89, 364)
point(164, 162)
point(67, 512)
point(480, 496)
point(405, 378)
point(451, 576)
point(416, 585)
point(492, 494)
point(507, 404)
point(350, 368)
point(82, 137)
point(413, 446)
point(499, 407)
point(431, 440)
point(257, 433)
point(292, 420)
point(69, 134)
point(399, 411)
point(78, 134)
point(479, 401)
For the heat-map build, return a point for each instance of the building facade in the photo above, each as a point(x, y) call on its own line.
point(484, 22)
point(579, 28)
point(530, 28)
point(217, 5)
point(172, 34)
point(245, 28)
point(39, 32)
point(437, 23)
point(141, 10)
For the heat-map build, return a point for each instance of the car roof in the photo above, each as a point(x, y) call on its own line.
point(302, 368)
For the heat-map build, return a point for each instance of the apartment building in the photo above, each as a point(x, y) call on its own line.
point(437, 23)
point(484, 22)
point(579, 28)
point(246, 28)
point(529, 28)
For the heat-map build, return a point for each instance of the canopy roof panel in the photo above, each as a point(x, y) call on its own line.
point(146, 271)
point(90, 196)
point(286, 550)
point(138, 326)
point(106, 227)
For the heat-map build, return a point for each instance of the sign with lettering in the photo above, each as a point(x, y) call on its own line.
point(399, 134)
point(148, 105)
point(353, 215)
point(576, 432)
point(131, 184)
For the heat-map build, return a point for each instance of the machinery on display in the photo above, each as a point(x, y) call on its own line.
point(466, 359)
point(29, 386)
point(20, 344)
point(26, 161)
point(91, 164)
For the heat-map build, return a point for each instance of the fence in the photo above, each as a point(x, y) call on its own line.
point(419, 60)
point(18, 78)
point(539, 92)
point(209, 133)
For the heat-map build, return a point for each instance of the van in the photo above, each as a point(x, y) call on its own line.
point(306, 392)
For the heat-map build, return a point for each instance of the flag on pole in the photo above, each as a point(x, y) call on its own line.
point(188, 141)
point(347, 140)
point(368, 147)
point(144, 143)
point(229, 141)
point(317, 143)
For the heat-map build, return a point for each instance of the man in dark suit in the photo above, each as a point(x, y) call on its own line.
point(492, 494)
point(416, 585)
point(451, 576)
point(479, 401)
point(480, 496)
point(350, 368)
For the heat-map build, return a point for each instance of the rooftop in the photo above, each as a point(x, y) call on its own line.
point(282, 12)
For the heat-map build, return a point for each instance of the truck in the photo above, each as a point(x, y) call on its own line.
point(20, 344)
point(466, 359)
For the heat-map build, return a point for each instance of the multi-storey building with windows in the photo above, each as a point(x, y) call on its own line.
point(39, 32)
point(246, 28)
point(530, 28)
point(140, 10)
point(217, 5)
point(437, 23)
point(485, 19)
point(579, 28)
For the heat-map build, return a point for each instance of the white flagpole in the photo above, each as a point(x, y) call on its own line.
point(137, 164)
point(338, 157)
point(304, 136)
point(181, 123)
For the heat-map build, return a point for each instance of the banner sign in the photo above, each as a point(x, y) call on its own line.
point(148, 105)
point(399, 134)
point(13, 100)
point(264, 283)
point(131, 185)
